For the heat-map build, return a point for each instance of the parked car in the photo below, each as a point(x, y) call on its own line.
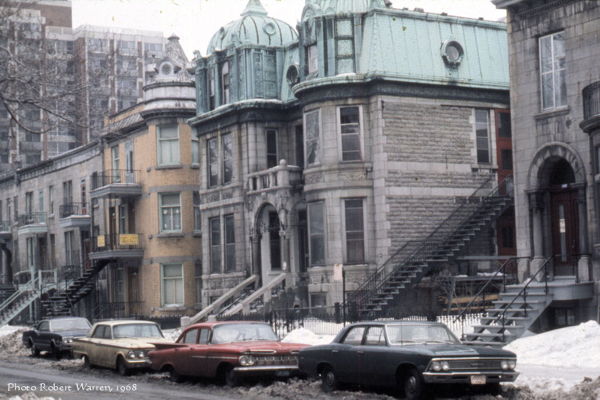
point(228, 351)
point(406, 355)
point(121, 345)
point(55, 335)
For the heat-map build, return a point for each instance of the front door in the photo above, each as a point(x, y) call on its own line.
point(565, 237)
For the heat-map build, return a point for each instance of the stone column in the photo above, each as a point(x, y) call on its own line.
point(583, 264)
point(536, 208)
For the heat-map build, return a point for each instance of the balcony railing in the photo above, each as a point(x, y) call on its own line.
point(115, 176)
point(121, 241)
point(69, 209)
point(281, 176)
point(591, 107)
point(32, 219)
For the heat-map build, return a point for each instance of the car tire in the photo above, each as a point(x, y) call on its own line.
point(122, 368)
point(86, 362)
point(412, 385)
point(55, 352)
point(329, 381)
point(34, 350)
point(174, 376)
point(232, 379)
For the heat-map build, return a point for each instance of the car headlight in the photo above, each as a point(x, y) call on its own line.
point(132, 355)
point(246, 361)
point(445, 366)
point(68, 340)
point(504, 365)
point(436, 366)
point(512, 364)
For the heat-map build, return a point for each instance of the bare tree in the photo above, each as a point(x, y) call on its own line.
point(37, 79)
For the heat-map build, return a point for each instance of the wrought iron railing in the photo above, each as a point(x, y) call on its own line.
point(120, 309)
point(115, 176)
point(32, 219)
point(416, 252)
point(69, 209)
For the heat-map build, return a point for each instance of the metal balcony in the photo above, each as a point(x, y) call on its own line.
point(118, 183)
point(32, 224)
point(591, 108)
point(117, 246)
point(75, 215)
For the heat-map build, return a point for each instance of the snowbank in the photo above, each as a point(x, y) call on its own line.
point(571, 347)
point(8, 329)
point(304, 336)
point(172, 334)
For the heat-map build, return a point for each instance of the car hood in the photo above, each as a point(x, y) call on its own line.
point(73, 333)
point(264, 346)
point(138, 342)
point(459, 350)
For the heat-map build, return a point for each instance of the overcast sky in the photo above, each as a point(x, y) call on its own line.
point(195, 21)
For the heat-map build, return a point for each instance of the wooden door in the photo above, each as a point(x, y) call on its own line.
point(565, 235)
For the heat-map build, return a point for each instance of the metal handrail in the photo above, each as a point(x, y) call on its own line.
point(371, 285)
point(523, 292)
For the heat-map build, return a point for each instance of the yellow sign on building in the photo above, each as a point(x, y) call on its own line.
point(101, 241)
point(129, 240)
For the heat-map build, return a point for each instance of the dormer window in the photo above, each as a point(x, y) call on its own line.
point(225, 83)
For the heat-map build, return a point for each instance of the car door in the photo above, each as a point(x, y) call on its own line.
point(182, 356)
point(346, 355)
point(199, 356)
point(374, 358)
point(99, 347)
point(43, 339)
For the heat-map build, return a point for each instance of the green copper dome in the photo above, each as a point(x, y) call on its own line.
point(254, 28)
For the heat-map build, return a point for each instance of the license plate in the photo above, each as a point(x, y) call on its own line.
point(477, 379)
point(284, 374)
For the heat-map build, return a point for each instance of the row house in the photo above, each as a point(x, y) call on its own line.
point(336, 150)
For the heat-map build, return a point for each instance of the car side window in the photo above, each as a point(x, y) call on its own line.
point(190, 336)
point(98, 332)
point(375, 336)
point(107, 332)
point(204, 334)
point(44, 326)
point(354, 336)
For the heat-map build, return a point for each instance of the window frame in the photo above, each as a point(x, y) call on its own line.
point(173, 210)
point(554, 72)
point(269, 152)
point(225, 178)
point(195, 151)
point(173, 143)
point(212, 162)
point(312, 261)
point(316, 139)
point(359, 134)
point(215, 242)
point(351, 243)
point(488, 138)
point(229, 257)
point(163, 287)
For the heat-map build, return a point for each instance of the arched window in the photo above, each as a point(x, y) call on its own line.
point(225, 83)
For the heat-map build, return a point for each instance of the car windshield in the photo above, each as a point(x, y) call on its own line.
point(74, 324)
point(419, 333)
point(136, 331)
point(242, 332)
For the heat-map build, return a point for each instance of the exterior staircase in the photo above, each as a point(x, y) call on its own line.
point(405, 269)
point(61, 303)
point(23, 297)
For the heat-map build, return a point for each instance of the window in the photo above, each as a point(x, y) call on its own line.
point(552, 71)
point(504, 128)
point(312, 59)
point(168, 145)
point(229, 243)
point(204, 335)
point(41, 201)
point(227, 158)
point(172, 284)
point(482, 136)
point(70, 257)
point(271, 148)
point(195, 150)
point(299, 138)
point(114, 152)
point(211, 88)
point(190, 336)
point(312, 122)
point(213, 162)
point(170, 212)
point(29, 203)
point(67, 192)
point(197, 215)
point(349, 118)
point(51, 199)
point(375, 336)
point(354, 336)
point(215, 245)
point(225, 83)
point(355, 233)
point(274, 240)
point(198, 279)
point(317, 233)
point(506, 159)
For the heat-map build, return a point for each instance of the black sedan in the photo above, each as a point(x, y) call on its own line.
point(55, 335)
point(407, 355)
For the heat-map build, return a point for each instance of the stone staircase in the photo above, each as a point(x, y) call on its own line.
point(61, 303)
point(405, 269)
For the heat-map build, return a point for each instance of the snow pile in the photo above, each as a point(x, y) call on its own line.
point(172, 334)
point(30, 396)
point(305, 336)
point(11, 343)
point(571, 347)
point(8, 329)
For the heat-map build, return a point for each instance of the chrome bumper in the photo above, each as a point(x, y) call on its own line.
point(464, 376)
point(268, 369)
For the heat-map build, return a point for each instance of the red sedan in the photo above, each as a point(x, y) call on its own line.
point(227, 351)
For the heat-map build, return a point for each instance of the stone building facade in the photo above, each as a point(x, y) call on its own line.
point(555, 100)
point(340, 144)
